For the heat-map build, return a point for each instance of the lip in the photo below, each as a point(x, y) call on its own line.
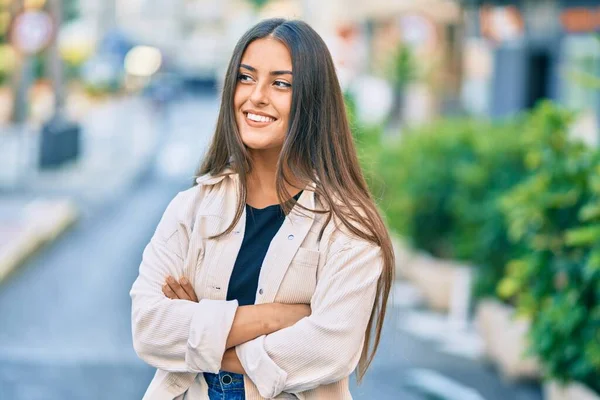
point(258, 113)
point(256, 124)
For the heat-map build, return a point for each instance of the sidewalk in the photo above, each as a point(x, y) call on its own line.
point(442, 354)
point(27, 225)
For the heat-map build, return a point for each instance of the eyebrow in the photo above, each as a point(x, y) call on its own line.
point(279, 72)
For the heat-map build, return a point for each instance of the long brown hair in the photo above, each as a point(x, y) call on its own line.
point(318, 147)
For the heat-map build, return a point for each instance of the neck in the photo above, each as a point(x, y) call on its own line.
point(261, 184)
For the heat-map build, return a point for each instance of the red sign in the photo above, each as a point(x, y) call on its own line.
point(32, 31)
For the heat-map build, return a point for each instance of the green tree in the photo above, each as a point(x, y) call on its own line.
point(258, 4)
point(402, 70)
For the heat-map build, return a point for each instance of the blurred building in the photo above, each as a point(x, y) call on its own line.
point(191, 34)
point(101, 13)
point(517, 53)
point(365, 36)
point(197, 36)
point(431, 30)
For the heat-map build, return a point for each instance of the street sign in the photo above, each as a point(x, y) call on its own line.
point(32, 31)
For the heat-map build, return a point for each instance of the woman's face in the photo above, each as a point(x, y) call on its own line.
point(263, 94)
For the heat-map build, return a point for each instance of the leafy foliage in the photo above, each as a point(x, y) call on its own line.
point(555, 215)
point(518, 199)
point(403, 66)
point(442, 188)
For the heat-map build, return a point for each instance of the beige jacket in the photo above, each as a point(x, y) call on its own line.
point(311, 360)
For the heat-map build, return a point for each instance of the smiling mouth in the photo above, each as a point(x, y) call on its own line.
point(258, 120)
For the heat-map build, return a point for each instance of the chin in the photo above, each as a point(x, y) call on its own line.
point(259, 143)
point(260, 146)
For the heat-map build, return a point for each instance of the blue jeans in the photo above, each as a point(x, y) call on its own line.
point(225, 386)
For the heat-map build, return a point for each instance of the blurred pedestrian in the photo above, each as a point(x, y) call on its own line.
point(270, 276)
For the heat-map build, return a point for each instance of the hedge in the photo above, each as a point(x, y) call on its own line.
point(519, 200)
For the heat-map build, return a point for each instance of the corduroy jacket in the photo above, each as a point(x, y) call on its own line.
point(335, 273)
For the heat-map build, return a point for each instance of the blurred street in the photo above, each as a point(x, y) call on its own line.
point(66, 324)
point(66, 328)
point(476, 123)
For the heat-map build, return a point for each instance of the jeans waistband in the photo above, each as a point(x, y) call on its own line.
point(225, 381)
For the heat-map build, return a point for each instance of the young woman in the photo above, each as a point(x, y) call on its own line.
point(269, 277)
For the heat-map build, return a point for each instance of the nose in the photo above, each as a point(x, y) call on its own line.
point(259, 95)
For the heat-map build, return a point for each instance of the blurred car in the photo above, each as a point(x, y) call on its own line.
point(164, 87)
point(104, 71)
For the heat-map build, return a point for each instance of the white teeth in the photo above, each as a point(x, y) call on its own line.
point(260, 118)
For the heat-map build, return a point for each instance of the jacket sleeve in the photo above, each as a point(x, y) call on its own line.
point(326, 346)
point(175, 335)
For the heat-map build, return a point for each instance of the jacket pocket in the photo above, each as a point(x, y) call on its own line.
point(300, 280)
point(306, 257)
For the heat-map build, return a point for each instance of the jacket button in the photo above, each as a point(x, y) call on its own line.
point(290, 237)
point(260, 291)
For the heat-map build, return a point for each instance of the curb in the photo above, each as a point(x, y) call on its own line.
point(44, 221)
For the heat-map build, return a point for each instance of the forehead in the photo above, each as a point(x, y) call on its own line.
point(268, 54)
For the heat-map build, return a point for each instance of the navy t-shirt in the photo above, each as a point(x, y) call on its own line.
point(261, 227)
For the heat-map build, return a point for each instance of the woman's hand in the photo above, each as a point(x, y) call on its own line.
point(181, 290)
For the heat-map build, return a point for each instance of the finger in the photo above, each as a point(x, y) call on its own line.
point(187, 286)
point(168, 292)
point(176, 287)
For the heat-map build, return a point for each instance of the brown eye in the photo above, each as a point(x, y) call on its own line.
point(282, 84)
point(244, 78)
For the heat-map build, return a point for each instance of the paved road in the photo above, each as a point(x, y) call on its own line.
point(412, 368)
point(65, 331)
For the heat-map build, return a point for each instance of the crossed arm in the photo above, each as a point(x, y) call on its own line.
point(180, 336)
point(249, 322)
point(325, 346)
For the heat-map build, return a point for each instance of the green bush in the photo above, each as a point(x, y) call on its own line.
point(480, 236)
point(419, 183)
point(519, 200)
point(555, 215)
point(442, 188)
point(368, 145)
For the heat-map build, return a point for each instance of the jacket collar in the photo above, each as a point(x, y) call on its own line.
point(209, 180)
point(307, 199)
point(223, 204)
